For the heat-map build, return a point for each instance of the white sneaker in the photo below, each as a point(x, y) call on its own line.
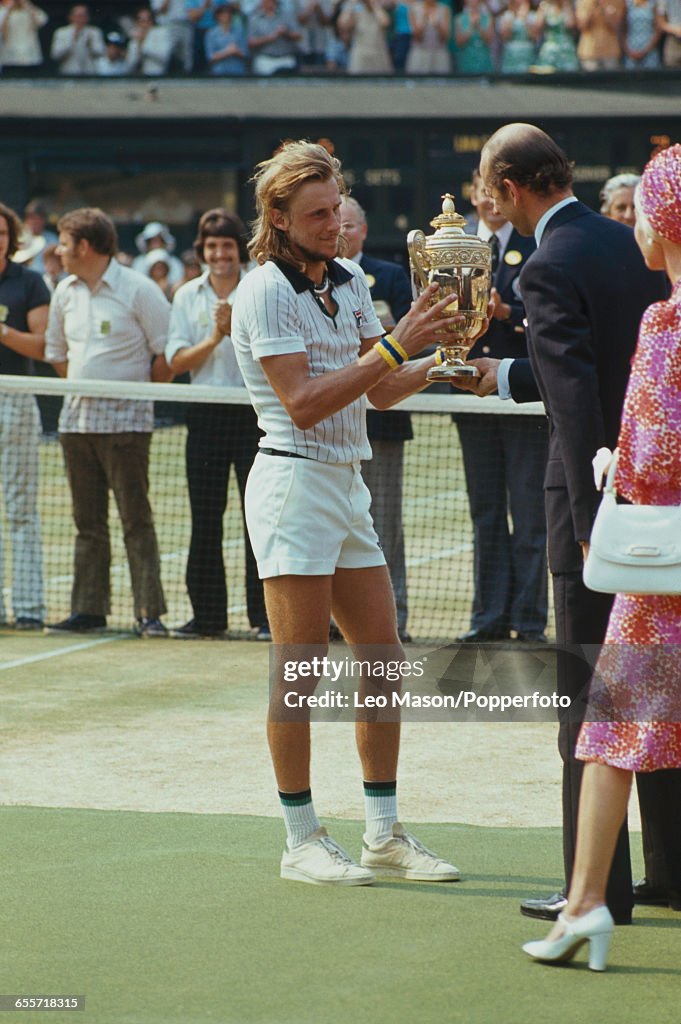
point(404, 856)
point(321, 861)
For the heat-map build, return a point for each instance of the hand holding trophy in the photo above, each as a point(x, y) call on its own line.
point(461, 265)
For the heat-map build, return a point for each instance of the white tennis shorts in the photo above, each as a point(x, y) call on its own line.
point(309, 518)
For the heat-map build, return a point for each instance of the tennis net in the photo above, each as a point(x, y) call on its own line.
point(436, 512)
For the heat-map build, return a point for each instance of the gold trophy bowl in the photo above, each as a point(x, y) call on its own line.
point(461, 265)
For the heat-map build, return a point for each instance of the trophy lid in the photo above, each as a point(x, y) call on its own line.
point(448, 247)
point(449, 218)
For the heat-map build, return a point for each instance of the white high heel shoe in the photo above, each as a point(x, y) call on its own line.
point(596, 928)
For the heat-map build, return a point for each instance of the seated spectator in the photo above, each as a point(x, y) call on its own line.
point(400, 40)
point(19, 41)
point(314, 19)
point(29, 247)
point(642, 34)
point(76, 46)
point(35, 220)
point(201, 15)
point(225, 43)
point(273, 36)
point(669, 22)
point(431, 26)
point(191, 269)
point(115, 61)
point(338, 48)
point(517, 28)
point(600, 28)
point(556, 24)
point(157, 236)
point(173, 16)
point(149, 49)
point(368, 22)
point(617, 198)
point(54, 269)
point(157, 267)
point(474, 33)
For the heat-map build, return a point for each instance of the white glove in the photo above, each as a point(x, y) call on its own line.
point(601, 463)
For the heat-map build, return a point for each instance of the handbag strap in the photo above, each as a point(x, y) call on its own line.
point(612, 469)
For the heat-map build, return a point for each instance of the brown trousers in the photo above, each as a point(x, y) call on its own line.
point(96, 463)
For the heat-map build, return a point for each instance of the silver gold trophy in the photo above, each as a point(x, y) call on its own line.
point(461, 265)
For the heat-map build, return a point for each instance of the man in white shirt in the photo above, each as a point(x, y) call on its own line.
point(310, 347)
point(76, 46)
point(150, 45)
point(107, 322)
point(115, 63)
point(218, 436)
point(173, 15)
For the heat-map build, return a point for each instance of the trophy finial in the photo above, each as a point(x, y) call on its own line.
point(449, 218)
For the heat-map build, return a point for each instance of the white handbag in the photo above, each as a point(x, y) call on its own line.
point(634, 549)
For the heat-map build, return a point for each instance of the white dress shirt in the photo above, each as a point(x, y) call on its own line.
point(111, 332)
point(76, 55)
point(503, 234)
point(191, 321)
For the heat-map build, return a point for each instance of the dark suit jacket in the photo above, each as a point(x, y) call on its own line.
point(584, 289)
point(388, 282)
point(521, 382)
point(506, 338)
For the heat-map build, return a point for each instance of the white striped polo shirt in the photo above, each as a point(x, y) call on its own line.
point(277, 313)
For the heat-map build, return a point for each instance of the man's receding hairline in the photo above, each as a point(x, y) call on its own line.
point(513, 133)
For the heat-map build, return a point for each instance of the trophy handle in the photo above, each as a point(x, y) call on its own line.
point(418, 255)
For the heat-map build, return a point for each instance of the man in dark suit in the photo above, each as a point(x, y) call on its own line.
point(387, 431)
point(584, 290)
point(504, 459)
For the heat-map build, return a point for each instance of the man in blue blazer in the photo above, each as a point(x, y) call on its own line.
point(585, 290)
point(387, 431)
point(504, 460)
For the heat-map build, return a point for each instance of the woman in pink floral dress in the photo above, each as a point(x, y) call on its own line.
point(633, 723)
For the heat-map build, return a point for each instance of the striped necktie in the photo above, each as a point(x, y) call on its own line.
point(494, 246)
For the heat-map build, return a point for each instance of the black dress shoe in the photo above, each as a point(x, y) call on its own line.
point(404, 636)
point(550, 907)
point(651, 895)
point(531, 638)
point(78, 622)
point(547, 908)
point(482, 636)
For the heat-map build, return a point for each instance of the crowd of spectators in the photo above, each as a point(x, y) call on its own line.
point(269, 37)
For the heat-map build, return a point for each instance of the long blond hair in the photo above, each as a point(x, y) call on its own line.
point(276, 182)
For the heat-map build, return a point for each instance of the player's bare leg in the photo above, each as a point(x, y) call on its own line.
point(298, 611)
point(364, 608)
